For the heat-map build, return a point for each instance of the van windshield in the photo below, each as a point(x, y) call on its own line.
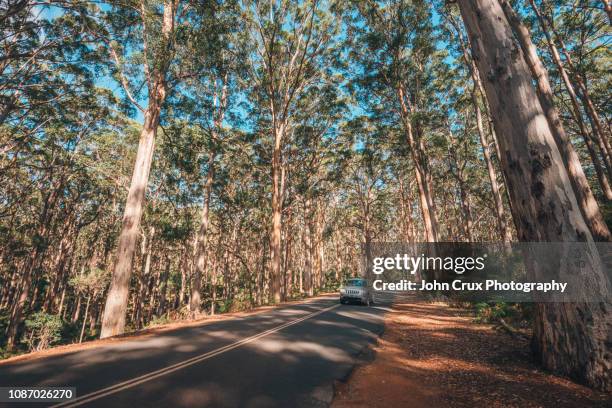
point(356, 282)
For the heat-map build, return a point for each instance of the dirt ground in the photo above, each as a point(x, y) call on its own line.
point(432, 356)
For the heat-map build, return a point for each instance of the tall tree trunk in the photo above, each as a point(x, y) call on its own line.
point(586, 201)
point(600, 138)
point(277, 203)
point(468, 222)
point(367, 234)
point(181, 294)
point(32, 265)
point(195, 301)
point(503, 229)
point(542, 193)
point(309, 248)
point(115, 309)
point(60, 310)
point(58, 267)
point(287, 269)
point(84, 318)
point(22, 296)
point(425, 193)
point(429, 186)
point(406, 211)
point(113, 322)
point(260, 274)
point(317, 259)
point(139, 299)
point(493, 134)
point(463, 193)
point(77, 310)
point(598, 130)
point(164, 282)
point(93, 317)
point(502, 226)
point(200, 255)
point(153, 291)
point(577, 113)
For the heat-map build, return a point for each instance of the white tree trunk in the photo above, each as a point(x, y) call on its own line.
point(570, 338)
point(586, 201)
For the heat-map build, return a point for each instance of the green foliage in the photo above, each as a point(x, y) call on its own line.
point(159, 321)
point(91, 283)
point(331, 283)
point(518, 314)
point(42, 331)
point(70, 331)
point(330, 71)
point(225, 305)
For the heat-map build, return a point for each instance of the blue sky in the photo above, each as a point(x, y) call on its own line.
point(105, 81)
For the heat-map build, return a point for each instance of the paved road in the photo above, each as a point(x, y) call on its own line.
point(284, 357)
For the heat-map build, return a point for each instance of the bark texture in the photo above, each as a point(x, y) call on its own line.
point(277, 205)
point(502, 225)
point(586, 200)
point(569, 338)
point(421, 168)
point(195, 301)
point(113, 322)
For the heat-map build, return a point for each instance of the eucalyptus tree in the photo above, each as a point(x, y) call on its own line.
point(584, 42)
point(586, 200)
point(367, 177)
point(476, 94)
point(45, 63)
point(64, 195)
point(89, 284)
point(393, 48)
point(314, 161)
point(50, 104)
point(147, 42)
point(571, 338)
point(292, 45)
point(591, 53)
point(240, 214)
point(209, 100)
point(173, 214)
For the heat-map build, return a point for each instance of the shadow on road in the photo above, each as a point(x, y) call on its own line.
point(295, 366)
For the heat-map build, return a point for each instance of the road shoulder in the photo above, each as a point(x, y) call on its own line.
point(155, 330)
point(433, 355)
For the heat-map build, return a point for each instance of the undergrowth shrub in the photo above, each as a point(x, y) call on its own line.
point(518, 314)
point(42, 331)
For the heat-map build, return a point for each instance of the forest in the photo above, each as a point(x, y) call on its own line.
point(171, 159)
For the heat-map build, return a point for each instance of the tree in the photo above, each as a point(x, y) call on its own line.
point(367, 174)
point(157, 59)
point(477, 88)
point(397, 60)
point(576, 111)
point(586, 200)
point(293, 43)
point(206, 101)
point(541, 190)
point(90, 284)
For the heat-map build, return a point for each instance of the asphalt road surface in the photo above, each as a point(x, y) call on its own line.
point(284, 357)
